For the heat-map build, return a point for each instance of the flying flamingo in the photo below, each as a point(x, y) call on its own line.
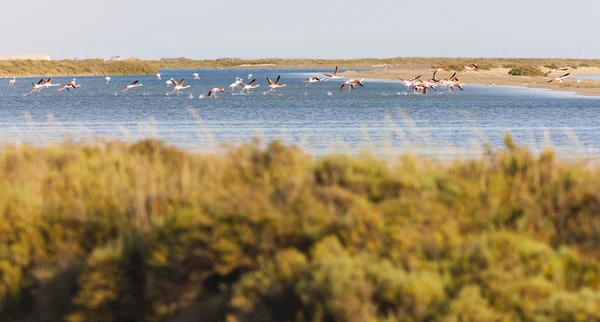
point(274, 85)
point(470, 67)
point(132, 85)
point(213, 92)
point(455, 84)
point(424, 86)
point(178, 86)
point(352, 84)
point(48, 83)
point(37, 87)
point(334, 75)
point(437, 70)
point(11, 83)
point(559, 79)
point(449, 81)
point(107, 78)
point(248, 86)
point(408, 82)
point(238, 82)
point(557, 70)
point(69, 86)
point(312, 80)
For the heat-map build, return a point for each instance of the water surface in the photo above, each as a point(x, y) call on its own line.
point(383, 115)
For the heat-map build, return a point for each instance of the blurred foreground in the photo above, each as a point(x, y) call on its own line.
point(146, 232)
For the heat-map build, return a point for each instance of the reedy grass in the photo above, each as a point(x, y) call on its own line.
point(147, 67)
point(114, 231)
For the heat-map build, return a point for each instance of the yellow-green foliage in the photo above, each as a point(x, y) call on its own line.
point(520, 66)
point(76, 67)
point(145, 232)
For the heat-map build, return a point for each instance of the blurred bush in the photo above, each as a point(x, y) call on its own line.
point(145, 232)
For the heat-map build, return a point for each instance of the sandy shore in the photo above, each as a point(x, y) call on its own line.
point(496, 76)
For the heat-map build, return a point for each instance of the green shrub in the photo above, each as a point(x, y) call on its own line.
point(146, 232)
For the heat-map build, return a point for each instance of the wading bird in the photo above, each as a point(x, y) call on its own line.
point(455, 84)
point(213, 92)
point(248, 87)
point(48, 83)
point(408, 82)
point(470, 67)
point(132, 85)
point(196, 77)
point(334, 75)
point(37, 87)
point(158, 76)
point(238, 82)
point(309, 81)
point(69, 86)
point(178, 86)
point(11, 83)
point(107, 79)
point(422, 87)
point(275, 84)
point(559, 79)
point(352, 84)
point(556, 70)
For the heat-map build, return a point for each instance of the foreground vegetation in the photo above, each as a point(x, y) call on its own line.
point(145, 232)
point(136, 66)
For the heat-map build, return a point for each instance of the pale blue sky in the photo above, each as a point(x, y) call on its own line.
point(200, 29)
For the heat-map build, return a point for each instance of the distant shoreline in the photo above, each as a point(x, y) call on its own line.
point(495, 76)
point(491, 71)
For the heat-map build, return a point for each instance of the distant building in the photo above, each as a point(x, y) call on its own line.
point(25, 57)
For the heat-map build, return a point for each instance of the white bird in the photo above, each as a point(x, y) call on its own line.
point(559, 79)
point(470, 67)
point(311, 80)
point(178, 86)
point(422, 87)
point(249, 76)
point(48, 83)
point(334, 75)
point(274, 84)
point(454, 82)
point(11, 83)
point(132, 85)
point(248, 87)
point(107, 78)
point(169, 82)
point(37, 87)
point(238, 82)
point(408, 82)
point(352, 84)
point(213, 92)
point(158, 76)
point(196, 77)
point(69, 86)
point(557, 70)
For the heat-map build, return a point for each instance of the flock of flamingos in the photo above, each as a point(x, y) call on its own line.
point(418, 86)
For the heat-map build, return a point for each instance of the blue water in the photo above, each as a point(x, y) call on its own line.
point(381, 117)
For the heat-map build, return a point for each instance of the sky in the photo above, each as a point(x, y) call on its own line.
point(329, 29)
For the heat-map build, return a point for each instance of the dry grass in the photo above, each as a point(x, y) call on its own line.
point(134, 66)
point(146, 232)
